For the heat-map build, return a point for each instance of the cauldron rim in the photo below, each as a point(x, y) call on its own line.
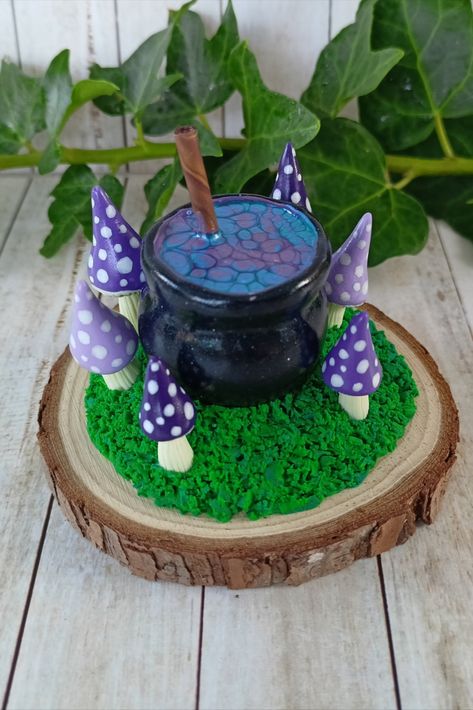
point(214, 299)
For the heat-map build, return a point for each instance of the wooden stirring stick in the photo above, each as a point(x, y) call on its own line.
point(187, 144)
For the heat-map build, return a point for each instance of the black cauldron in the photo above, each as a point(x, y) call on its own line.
point(234, 349)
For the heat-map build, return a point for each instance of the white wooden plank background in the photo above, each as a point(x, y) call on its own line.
point(76, 631)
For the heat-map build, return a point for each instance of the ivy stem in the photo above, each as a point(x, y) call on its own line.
point(442, 136)
point(402, 164)
point(408, 177)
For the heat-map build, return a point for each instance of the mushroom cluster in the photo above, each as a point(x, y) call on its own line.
point(115, 256)
point(347, 281)
point(352, 368)
point(289, 185)
point(167, 415)
point(103, 341)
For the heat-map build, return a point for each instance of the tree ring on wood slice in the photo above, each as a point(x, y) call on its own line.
point(162, 544)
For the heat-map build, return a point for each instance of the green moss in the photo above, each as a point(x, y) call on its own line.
point(281, 457)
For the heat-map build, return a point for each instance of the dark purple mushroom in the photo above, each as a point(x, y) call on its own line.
point(102, 340)
point(115, 261)
point(347, 281)
point(289, 185)
point(167, 415)
point(352, 368)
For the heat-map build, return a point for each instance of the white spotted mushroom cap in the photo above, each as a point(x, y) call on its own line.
point(352, 366)
point(289, 185)
point(115, 258)
point(167, 411)
point(347, 281)
point(101, 340)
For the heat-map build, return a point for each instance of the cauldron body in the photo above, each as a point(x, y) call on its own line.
point(234, 349)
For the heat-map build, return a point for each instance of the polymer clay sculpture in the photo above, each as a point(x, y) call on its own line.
point(347, 281)
point(103, 341)
point(289, 185)
point(352, 368)
point(114, 261)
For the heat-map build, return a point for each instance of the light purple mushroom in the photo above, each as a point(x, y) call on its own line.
point(289, 185)
point(103, 341)
point(115, 261)
point(347, 282)
point(352, 368)
point(167, 415)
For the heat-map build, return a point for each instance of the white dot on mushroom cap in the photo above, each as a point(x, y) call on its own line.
point(91, 279)
point(94, 241)
point(182, 390)
point(357, 387)
point(299, 177)
point(324, 367)
point(331, 362)
point(134, 242)
point(356, 286)
point(345, 296)
point(92, 202)
point(76, 298)
point(83, 337)
point(345, 259)
point(102, 276)
point(343, 368)
point(359, 271)
point(167, 372)
point(102, 254)
point(106, 326)
point(96, 220)
point(124, 265)
point(343, 354)
point(361, 244)
point(148, 426)
point(364, 288)
point(353, 329)
point(328, 289)
point(139, 415)
point(344, 336)
point(100, 352)
point(376, 362)
point(84, 358)
point(95, 369)
point(188, 410)
point(142, 277)
point(293, 152)
point(85, 316)
point(169, 410)
point(118, 338)
point(339, 278)
point(376, 379)
point(146, 406)
point(277, 194)
point(90, 262)
point(89, 295)
point(72, 341)
point(118, 248)
point(176, 431)
point(123, 282)
point(360, 345)
point(362, 366)
point(160, 421)
point(117, 362)
point(288, 169)
point(130, 347)
point(296, 197)
point(110, 211)
point(154, 366)
point(106, 232)
point(172, 390)
point(153, 387)
point(336, 381)
point(308, 206)
point(122, 228)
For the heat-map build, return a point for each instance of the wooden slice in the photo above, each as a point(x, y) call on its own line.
point(158, 543)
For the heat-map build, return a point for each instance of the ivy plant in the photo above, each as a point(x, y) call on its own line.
point(408, 64)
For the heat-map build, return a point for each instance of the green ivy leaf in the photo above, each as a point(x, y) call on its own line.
point(113, 105)
point(21, 107)
point(348, 67)
point(159, 191)
point(71, 210)
point(58, 89)
point(202, 63)
point(433, 80)
point(50, 158)
point(271, 120)
point(345, 175)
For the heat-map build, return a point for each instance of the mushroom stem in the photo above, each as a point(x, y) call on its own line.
point(175, 455)
point(335, 315)
point(128, 306)
point(356, 407)
point(125, 378)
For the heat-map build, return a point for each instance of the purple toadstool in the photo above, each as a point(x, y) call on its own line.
point(115, 261)
point(347, 281)
point(167, 415)
point(289, 185)
point(103, 341)
point(352, 368)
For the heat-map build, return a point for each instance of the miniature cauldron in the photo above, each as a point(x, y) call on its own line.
point(239, 316)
